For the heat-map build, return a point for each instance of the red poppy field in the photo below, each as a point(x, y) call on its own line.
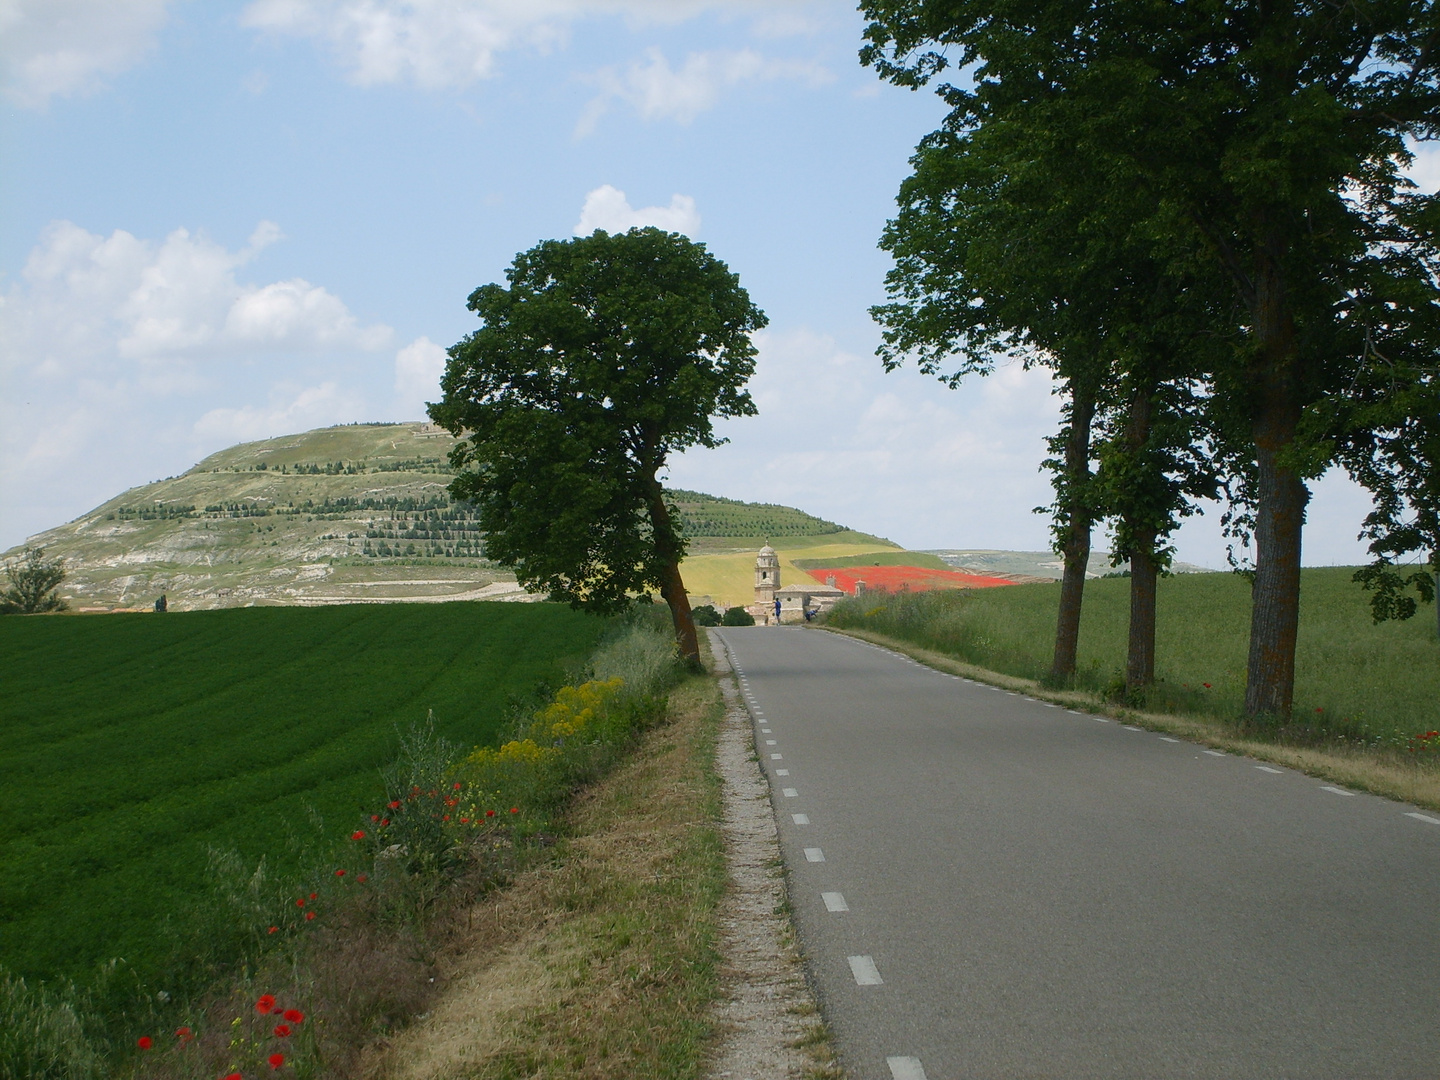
point(904, 578)
point(136, 745)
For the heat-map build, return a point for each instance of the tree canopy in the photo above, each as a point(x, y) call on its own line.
point(599, 358)
point(1259, 145)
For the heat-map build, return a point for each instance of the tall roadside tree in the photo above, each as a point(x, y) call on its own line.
point(600, 358)
point(1270, 136)
point(34, 584)
point(1021, 236)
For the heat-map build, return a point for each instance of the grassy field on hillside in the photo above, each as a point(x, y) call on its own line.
point(728, 577)
point(132, 744)
point(1377, 684)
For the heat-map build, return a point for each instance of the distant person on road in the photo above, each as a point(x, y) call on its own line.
point(161, 605)
point(777, 609)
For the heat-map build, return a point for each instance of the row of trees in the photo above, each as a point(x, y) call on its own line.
point(1195, 215)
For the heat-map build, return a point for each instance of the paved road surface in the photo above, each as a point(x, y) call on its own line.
point(990, 887)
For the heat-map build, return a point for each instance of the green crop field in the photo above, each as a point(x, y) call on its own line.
point(1378, 684)
point(134, 744)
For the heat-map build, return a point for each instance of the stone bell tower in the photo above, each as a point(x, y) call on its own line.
point(767, 580)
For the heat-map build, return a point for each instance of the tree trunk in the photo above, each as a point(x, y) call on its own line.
point(1075, 548)
point(1140, 660)
point(1280, 501)
point(672, 587)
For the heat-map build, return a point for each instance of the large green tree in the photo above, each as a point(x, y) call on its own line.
point(600, 358)
point(1269, 136)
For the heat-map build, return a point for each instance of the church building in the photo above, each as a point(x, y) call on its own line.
point(776, 604)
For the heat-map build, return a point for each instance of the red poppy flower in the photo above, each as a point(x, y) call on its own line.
point(1319, 710)
point(339, 873)
point(276, 1060)
point(362, 877)
point(447, 817)
point(457, 785)
point(1206, 685)
point(385, 822)
point(464, 821)
point(489, 813)
point(295, 1016)
point(514, 809)
point(395, 805)
point(300, 902)
point(184, 1034)
point(144, 1042)
point(234, 1076)
point(358, 834)
point(282, 1030)
point(309, 915)
point(273, 929)
point(374, 817)
point(314, 896)
point(265, 1004)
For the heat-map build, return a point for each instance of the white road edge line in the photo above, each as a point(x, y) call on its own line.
point(814, 854)
point(1424, 817)
point(1166, 738)
point(834, 901)
point(800, 819)
point(1267, 768)
point(865, 972)
point(1337, 791)
point(905, 1068)
point(1215, 753)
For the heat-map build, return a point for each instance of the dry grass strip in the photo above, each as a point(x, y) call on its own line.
point(606, 961)
point(1381, 772)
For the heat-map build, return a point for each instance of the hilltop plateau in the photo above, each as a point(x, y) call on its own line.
point(359, 514)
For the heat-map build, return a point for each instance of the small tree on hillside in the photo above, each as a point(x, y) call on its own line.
point(603, 356)
point(34, 580)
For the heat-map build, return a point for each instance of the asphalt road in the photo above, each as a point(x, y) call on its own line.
point(986, 886)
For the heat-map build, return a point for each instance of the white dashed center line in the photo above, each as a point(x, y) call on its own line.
point(1424, 817)
point(1072, 712)
point(790, 793)
point(800, 819)
point(1337, 791)
point(905, 1068)
point(1266, 768)
point(782, 772)
point(777, 757)
point(769, 742)
point(1101, 720)
point(834, 901)
point(1166, 738)
point(814, 854)
point(865, 972)
point(1127, 727)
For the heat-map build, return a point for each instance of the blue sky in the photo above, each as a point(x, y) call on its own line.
point(226, 221)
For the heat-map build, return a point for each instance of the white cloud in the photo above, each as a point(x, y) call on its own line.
point(111, 347)
point(657, 91)
point(65, 47)
point(289, 410)
point(438, 44)
point(608, 208)
point(418, 367)
point(86, 296)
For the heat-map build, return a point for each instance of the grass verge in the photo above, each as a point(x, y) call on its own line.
point(1379, 770)
point(604, 962)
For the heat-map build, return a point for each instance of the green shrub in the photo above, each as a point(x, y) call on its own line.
point(705, 615)
point(737, 616)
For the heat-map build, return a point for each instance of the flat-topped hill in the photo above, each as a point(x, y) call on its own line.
point(351, 514)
